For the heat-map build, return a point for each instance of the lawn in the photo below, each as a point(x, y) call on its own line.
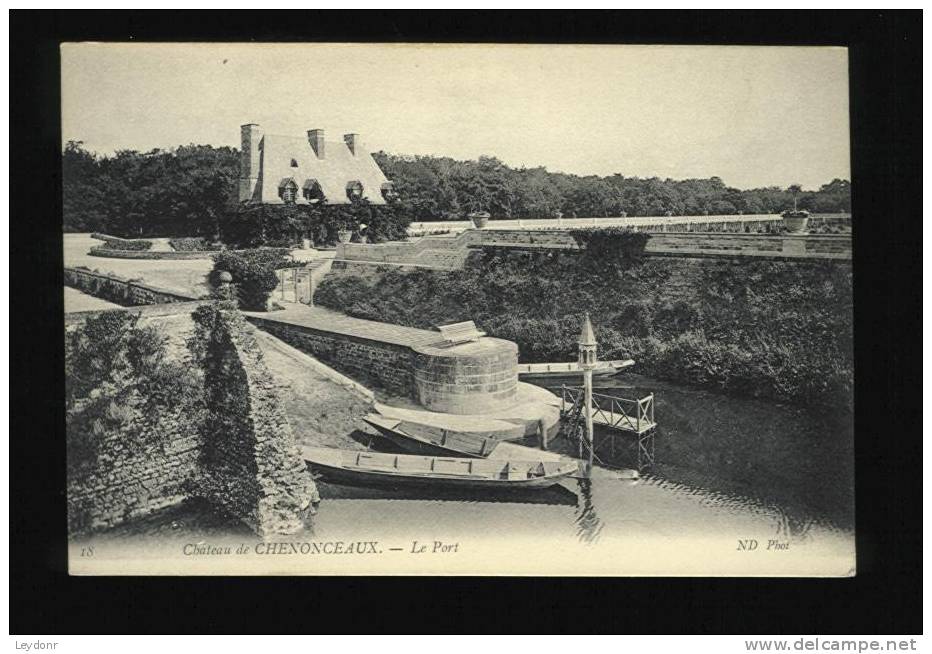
point(188, 277)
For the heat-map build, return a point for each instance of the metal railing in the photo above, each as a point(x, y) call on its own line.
point(612, 411)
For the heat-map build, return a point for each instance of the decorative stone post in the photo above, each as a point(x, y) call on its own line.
point(225, 289)
point(587, 361)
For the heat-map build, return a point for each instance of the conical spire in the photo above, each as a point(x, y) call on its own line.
point(587, 336)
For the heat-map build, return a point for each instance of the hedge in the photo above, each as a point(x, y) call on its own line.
point(102, 251)
point(192, 244)
point(117, 243)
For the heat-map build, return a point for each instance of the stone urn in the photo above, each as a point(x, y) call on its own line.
point(344, 235)
point(480, 219)
point(795, 221)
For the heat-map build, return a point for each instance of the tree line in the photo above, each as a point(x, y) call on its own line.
point(438, 188)
point(192, 191)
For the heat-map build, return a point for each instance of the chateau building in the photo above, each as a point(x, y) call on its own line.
point(278, 169)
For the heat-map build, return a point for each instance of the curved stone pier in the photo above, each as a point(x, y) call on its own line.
point(469, 378)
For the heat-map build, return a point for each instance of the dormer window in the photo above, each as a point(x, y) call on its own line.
point(388, 190)
point(288, 191)
point(294, 163)
point(354, 190)
point(312, 191)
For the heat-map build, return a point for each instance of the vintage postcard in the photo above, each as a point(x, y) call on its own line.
point(458, 309)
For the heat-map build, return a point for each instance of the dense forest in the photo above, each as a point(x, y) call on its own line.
point(192, 191)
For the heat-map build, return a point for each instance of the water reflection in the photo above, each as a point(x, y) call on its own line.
point(557, 495)
point(588, 524)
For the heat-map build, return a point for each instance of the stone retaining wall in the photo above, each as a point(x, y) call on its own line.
point(134, 479)
point(370, 361)
point(451, 252)
point(119, 290)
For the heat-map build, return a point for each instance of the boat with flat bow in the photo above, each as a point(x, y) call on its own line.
point(433, 440)
point(381, 468)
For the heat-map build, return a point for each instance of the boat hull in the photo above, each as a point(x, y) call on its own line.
point(421, 445)
point(393, 470)
point(551, 370)
point(389, 480)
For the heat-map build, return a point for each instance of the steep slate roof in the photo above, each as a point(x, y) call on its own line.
point(338, 168)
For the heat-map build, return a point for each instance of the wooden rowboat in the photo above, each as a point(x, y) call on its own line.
point(425, 439)
point(544, 370)
point(379, 468)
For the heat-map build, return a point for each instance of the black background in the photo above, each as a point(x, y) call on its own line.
point(884, 597)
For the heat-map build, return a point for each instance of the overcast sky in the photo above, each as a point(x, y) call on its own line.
point(754, 116)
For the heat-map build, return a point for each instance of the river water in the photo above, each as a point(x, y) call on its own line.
point(741, 487)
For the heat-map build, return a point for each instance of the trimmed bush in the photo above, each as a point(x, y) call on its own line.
point(117, 243)
point(253, 274)
point(192, 244)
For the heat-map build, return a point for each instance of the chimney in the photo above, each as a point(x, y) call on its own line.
point(352, 141)
point(316, 138)
point(249, 160)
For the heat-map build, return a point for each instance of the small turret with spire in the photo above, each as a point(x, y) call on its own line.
point(587, 345)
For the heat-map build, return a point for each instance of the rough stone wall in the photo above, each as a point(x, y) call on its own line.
point(250, 460)
point(254, 472)
point(119, 290)
point(134, 479)
point(384, 364)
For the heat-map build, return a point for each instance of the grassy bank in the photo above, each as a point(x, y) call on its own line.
point(765, 329)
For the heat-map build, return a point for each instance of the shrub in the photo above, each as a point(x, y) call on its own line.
point(634, 319)
point(675, 317)
point(253, 274)
point(117, 377)
point(611, 248)
point(117, 243)
point(192, 244)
